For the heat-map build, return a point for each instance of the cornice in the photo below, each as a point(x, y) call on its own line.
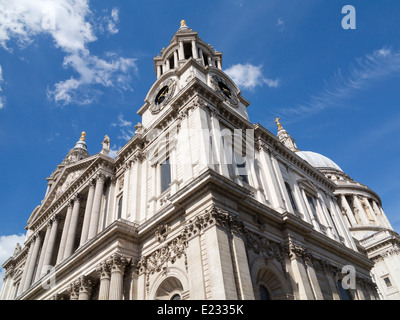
point(275, 146)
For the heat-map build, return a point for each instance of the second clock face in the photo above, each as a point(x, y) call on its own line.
point(223, 87)
point(164, 91)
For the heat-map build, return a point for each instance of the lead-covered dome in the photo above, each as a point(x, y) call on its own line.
point(318, 160)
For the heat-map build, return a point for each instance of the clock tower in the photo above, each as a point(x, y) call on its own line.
point(186, 60)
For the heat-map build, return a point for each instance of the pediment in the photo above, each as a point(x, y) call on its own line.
point(308, 186)
point(64, 179)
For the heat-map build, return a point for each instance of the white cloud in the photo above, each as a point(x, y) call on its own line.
point(112, 28)
point(70, 24)
point(248, 76)
point(280, 22)
point(113, 151)
point(375, 66)
point(122, 122)
point(7, 247)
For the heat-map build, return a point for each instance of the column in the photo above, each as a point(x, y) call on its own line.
point(176, 59)
point(344, 230)
point(201, 56)
point(73, 225)
point(383, 216)
point(43, 252)
point(301, 206)
point(271, 181)
point(281, 183)
point(28, 259)
point(362, 214)
point(324, 215)
point(85, 288)
point(222, 274)
point(194, 50)
point(127, 179)
point(197, 264)
point(52, 243)
point(32, 262)
point(118, 264)
point(241, 263)
point(217, 147)
point(181, 53)
point(349, 212)
point(104, 271)
point(64, 235)
point(371, 211)
point(98, 193)
point(88, 211)
point(111, 207)
point(300, 276)
point(158, 71)
point(186, 153)
point(133, 182)
point(219, 64)
point(313, 280)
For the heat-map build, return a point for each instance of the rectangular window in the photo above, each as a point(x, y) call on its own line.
point(165, 175)
point(312, 207)
point(291, 196)
point(241, 170)
point(387, 282)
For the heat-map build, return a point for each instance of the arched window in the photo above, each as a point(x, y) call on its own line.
point(176, 297)
point(264, 293)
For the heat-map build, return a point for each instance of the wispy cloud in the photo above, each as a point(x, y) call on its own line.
point(126, 132)
point(248, 76)
point(375, 66)
point(70, 24)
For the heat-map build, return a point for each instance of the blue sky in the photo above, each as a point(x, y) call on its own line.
point(68, 66)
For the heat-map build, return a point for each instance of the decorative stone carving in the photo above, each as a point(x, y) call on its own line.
point(162, 232)
point(118, 262)
point(104, 269)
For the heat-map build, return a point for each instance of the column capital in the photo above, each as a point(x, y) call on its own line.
point(104, 269)
point(77, 198)
point(73, 290)
point(118, 262)
point(85, 284)
point(92, 183)
point(101, 176)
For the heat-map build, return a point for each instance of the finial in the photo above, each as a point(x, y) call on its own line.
point(83, 135)
point(183, 23)
point(278, 123)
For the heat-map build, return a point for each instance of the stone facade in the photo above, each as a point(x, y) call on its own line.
point(199, 204)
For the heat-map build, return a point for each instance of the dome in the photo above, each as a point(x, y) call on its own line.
point(318, 160)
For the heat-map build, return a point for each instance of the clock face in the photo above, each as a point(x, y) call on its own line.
point(223, 87)
point(164, 91)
